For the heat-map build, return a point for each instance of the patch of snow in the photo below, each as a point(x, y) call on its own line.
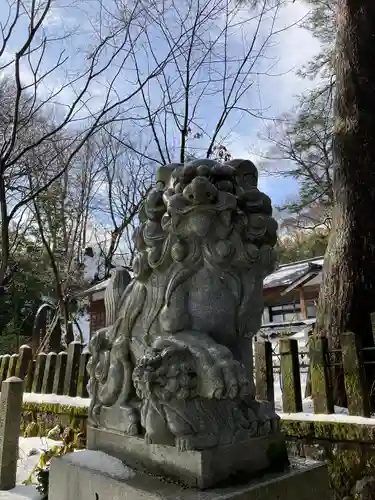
point(302, 334)
point(84, 324)
point(293, 322)
point(92, 265)
point(27, 445)
point(100, 462)
point(339, 417)
point(287, 273)
point(307, 403)
point(21, 492)
point(29, 453)
point(77, 402)
point(98, 287)
point(308, 407)
point(283, 273)
point(31, 397)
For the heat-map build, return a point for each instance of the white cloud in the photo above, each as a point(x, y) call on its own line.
point(277, 94)
point(295, 47)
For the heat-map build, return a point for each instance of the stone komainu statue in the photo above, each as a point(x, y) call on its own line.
point(177, 357)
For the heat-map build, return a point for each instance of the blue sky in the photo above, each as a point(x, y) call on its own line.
point(279, 94)
point(276, 94)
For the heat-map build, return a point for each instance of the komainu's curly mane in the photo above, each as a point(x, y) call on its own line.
point(202, 214)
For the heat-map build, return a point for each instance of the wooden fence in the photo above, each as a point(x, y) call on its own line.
point(65, 373)
point(303, 357)
point(62, 373)
point(351, 359)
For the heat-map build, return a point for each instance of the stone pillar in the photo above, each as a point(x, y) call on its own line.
point(10, 421)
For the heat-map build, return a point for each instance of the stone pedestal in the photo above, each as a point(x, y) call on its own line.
point(201, 469)
point(92, 475)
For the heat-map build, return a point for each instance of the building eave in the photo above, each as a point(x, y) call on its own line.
point(302, 280)
point(98, 287)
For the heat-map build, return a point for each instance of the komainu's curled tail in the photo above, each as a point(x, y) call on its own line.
point(117, 284)
point(107, 348)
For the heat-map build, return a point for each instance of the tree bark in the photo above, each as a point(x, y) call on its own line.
point(347, 294)
point(4, 229)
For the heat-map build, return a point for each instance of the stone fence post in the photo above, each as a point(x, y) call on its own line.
point(10, 420)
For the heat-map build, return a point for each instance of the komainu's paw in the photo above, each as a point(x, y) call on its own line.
point(196, 442)
point(225, 380)
point(184, 444)
point(218, 374)
point(267, 418)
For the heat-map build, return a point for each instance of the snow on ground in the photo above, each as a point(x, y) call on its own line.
point(307, 403)
point(277, 384)
point(85, 402)
point(101, 462)
point(84, 324)
point(339, 416)
point(30, 450)
point(31, 397)
point(21, 492)
point(29, 453)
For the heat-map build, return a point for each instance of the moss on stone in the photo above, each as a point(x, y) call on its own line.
point(39, 418)
point(32, 430)
point(354, 375)
point(319, 376)
point(289, 365)
point(348, 449)
point(333, 431)
point(345, 467)
point(297, 428)
point(57, 408)
point(288, 396)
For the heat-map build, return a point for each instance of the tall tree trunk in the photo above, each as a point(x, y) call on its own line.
point(347, 295)
point(4, 229)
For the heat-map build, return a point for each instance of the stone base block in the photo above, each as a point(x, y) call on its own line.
point(202, 469)
point(92, 475)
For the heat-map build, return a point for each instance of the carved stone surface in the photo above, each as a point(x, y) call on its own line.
point(176, 364)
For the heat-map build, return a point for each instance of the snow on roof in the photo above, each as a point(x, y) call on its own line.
point(98, 287)
point(303, 334)
point(285, 275)
point(296, 327)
